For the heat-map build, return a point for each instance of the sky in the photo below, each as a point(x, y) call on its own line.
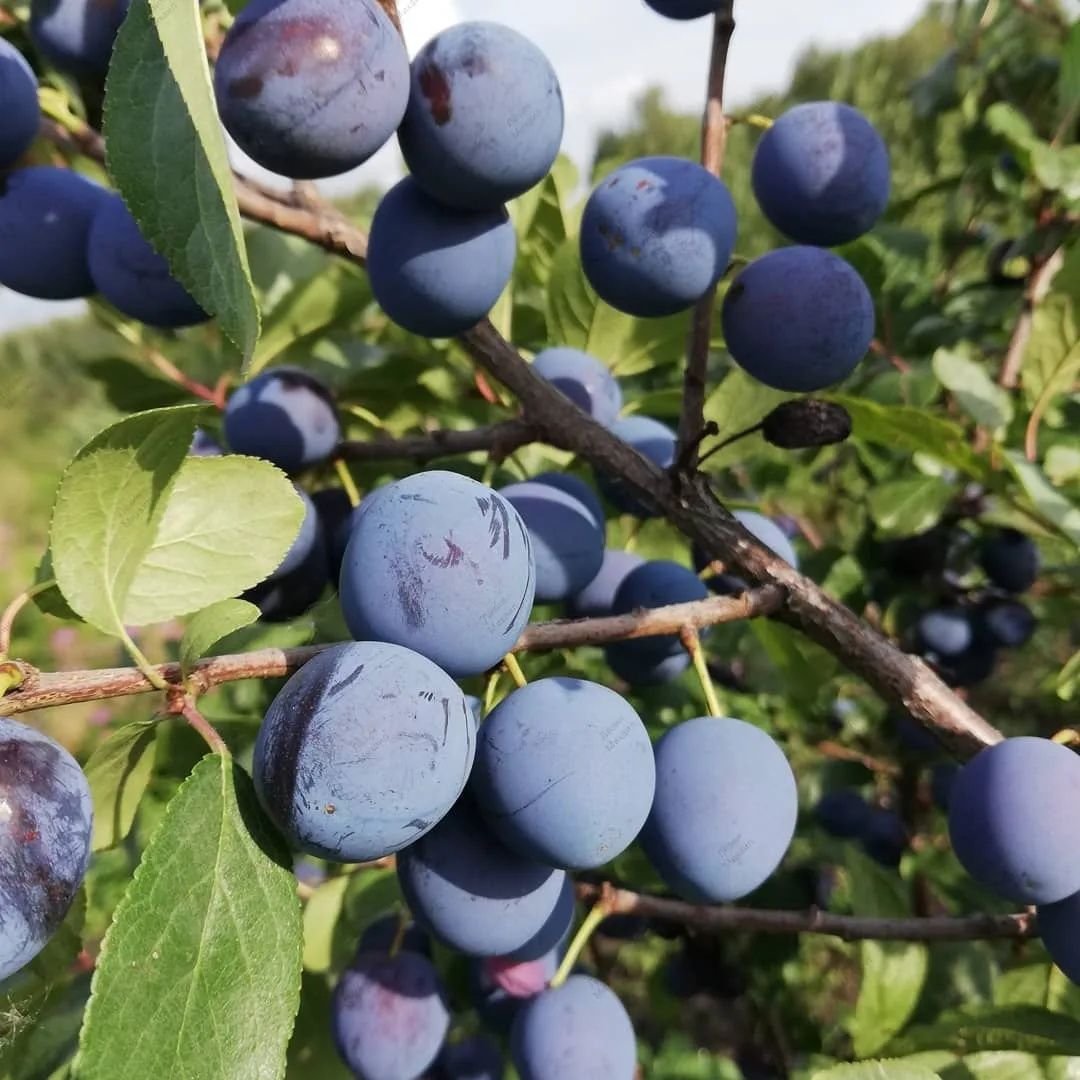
point(606, 52)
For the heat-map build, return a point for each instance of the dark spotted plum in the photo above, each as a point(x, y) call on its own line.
point(485, 116)
point(582, 378)
point(580, 1030)
point(821, 174)
point(363, 751)
point(475, 1058)
point(651, 439)
point(564, 772)
point(46, 820)
point(725, 809)
point(45, 219)
point(798, 319)
point(657, 235)
point(285, 416)
point(1010, 559)
point(437, 271)
point(77, 36)
point(390, 1016)
point(1011, 818)
point(441, 564)
point(312, 88)
point(18, 92)
point(567, 537)
point(598, 597)
point(465, 886)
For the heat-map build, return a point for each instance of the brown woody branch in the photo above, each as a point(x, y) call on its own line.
point(500, 440)
point(42, 690)
point(847, 927)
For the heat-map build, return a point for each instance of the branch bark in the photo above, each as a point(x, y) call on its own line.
point(714, 132)
point(499, 439)
point(42, 690)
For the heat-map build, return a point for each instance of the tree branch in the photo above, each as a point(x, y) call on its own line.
point(847, 927)
point(45, 690)
point(500, 439)
point(714, 131)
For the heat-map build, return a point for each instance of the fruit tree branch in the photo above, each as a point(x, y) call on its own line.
point(714, 131)
point(499, 439)
point(847, 927)
point(43, 690)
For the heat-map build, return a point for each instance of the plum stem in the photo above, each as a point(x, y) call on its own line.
point(190, 712)
point(347, 482)
point(7, 619)
point(691, 640)
point(153, 676)
point(10, 677)
point(489, 691)
point(512, 665)
point(597, 914)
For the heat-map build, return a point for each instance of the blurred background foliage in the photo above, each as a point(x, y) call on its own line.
point(979, 104)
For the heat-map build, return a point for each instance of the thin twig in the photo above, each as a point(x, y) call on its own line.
point(190, 712)
point(500, 439)
point(11, 613)
point(838, 752)
point(714, 132)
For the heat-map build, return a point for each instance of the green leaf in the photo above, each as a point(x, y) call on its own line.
point(110, 501)
point(51, 601)
point(48, 1044)
point(210, 625)
point(973, 389)
point(1057, 168)
point(738, 403)
point(228, 523)
point(312, 1054)
point(907, 507)
point(803, 666)
point(1011, 124)
point(369, 894)
point(24, 992)
point(875, 891)
point(1012, 1027)
point(161, 123)
point(877, 1070)
point(1051, 504)
point(1052, 357)
point(118, 772)
point(893, 976)
point(199, 974)
point(321, 913)
point(130, 388)
point(995, 1065)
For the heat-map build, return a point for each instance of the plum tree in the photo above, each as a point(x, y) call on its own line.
point(657, 235)
point(725, 809)
point(132, 276)
point(437, 271)
point(475, 1058)
point(945, 632)
point(564, 772)
point(651, 439)
point(566, 534)
point(579, 1029)
point(45, 217)
point(22, 114)
point(485, 116)
point(798, 319)
point(284, 415)
point(586, 381)
point(476, 895)
point(390, 1016)
point(1059, 927)
point(1010, 819)
point(842, 813)
point(684, 9)
point(77, 36)
point(312, 88)
point(821, 173)
point(1007, 623)
point(597, 598)
point(1010, 559)
point(46, 820)
point(381, 935)
point(363, 751)
point(433, 553)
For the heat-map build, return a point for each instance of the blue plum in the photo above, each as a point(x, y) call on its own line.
point(307, 539)
point(944, 632)
point(1006, 623)
point(582, 378)
point(597, 598)
point(390, 1016)
point(1011, 820)
point(433, 270)
point(821, 173)
point(769, 533)
point(884, 836)
point(971, 667)
point(1059, 927)
point(77, 36)
point(725, 809)
point(381, 935)
point(46, 820)
point(499, 987)
point(684, 9)
point(798, 319)
point(564, 772)
point(580, 1030)
point(567, 537)
point(45, 219)
point(363, 751)
point(476, 707)
point(335, 512)
point(443, 565)
point(723, 584)
point(22, 115)
point(637, 668)
point(132, 276)
point(485, 116)
point(476, 1058)
point(657, 584)
point(1010, 559)
point(283, 597)
point(651, 439)
point(284, 415)
point(574, 485)
point(657, 235)
point(312, 88)
point(204, 445)
point(465, 886)
point(842, 813)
